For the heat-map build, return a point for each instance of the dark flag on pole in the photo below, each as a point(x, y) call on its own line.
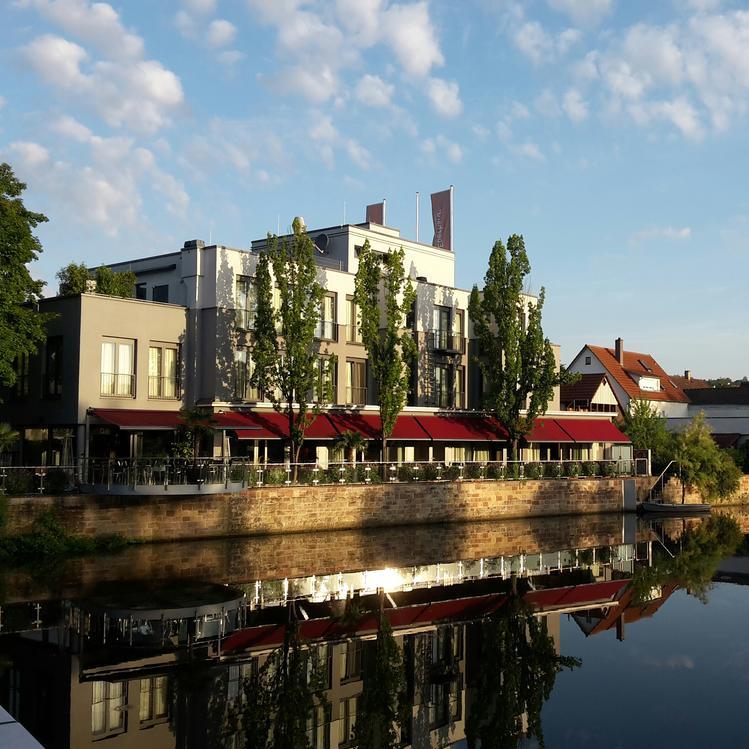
point(442, 219)
point(376, 213)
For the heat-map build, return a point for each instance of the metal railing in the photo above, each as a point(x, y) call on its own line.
point(27, 480)
point(164, 388)
point(445, 340)
point(326, 330)
point(122, 385)
point(356, 396)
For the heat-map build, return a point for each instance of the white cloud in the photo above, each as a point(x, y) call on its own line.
point(575, 106)
point(539, 46)
point(529, 150)
point(504, 131)
point(666, 232)
point(585, 12)
point(200, 7)
point(316, 85)
point(410, 34)
point(220, 33)
point(445, 97)
point(231, 57)
point(71, 128)
point(441, 147)
point(546, 104)
point(358, 154)
point(57, 61)
point(3, 101)
point(373, 91)
point(480, 131)
point(29, 154)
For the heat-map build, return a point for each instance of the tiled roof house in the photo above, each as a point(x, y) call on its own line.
point(632, 376)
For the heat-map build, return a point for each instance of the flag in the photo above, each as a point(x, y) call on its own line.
point(442, 219)
point(376, 213)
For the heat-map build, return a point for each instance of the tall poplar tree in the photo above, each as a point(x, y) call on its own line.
point(391, 348)
point(284, 351)
point(516, 361)
point(22, 328)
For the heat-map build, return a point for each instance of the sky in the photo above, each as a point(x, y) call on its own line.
point(611, 134)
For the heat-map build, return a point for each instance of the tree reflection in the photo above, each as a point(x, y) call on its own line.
point(518, 667)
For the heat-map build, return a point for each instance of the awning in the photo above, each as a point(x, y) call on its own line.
point(408, 428)
point(368, 425)
point(271, 425)
point(547, 430)
point(463, 428)
point(138, 419)
point(592, 430)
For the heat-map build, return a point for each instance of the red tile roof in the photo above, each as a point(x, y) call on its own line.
point(633, 363)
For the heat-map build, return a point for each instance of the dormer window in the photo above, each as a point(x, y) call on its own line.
point(649, 383)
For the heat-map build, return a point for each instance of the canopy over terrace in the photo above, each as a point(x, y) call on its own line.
point(577, 439)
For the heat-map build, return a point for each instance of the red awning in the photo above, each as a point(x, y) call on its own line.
point(592, 430)
point(140, 419)
point(408, 428)
point(547, 430)
point(368, 425)
point(463, 428)
point(271, 425)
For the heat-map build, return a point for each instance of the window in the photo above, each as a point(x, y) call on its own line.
point(140, 291)
point(118, 368)
point(246, 303)
point(53, 367)
point(244, 368)
point(348, 710)
point(163, 372)
point(356, 382)
point(441, 326)
point(353, 331)
point(459, 388)
point(442, 385)
point(108, 707)
point(153, 699)
point(326, 326)
point(160, 293)
point(21, 386)
point(325, 387)
point(351, 660)
point(459, 323)
point(587, 360)
point(318, 727)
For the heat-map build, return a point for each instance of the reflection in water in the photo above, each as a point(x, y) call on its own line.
point(449, 653)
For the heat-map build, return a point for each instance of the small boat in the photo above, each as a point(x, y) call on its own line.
point(673, 509)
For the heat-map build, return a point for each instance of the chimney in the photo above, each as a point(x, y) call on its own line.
point(619, 350)
point(687, 374)
point(194, 244)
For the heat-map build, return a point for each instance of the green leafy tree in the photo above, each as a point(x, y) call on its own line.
point(702, 463)
point(351, 443)
point(285, 355)
point(391, 348)
point(196, 424)
point(8, 437)
point(516, 361)
point(22, 327)
point(519, 666)
point(647, 430)
point(73, 279)
point(114, 283)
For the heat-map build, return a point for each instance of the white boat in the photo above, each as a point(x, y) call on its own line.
point(673, 509)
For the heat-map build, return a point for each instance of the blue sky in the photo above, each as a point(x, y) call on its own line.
point(611, 134)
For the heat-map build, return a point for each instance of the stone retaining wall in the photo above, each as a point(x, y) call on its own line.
point(672, 493)
point(292, 509)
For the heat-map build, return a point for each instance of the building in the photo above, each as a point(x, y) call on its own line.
point(114, 373)
point(630, 376)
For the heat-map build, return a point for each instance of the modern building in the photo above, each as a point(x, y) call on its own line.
point(629, 375)
point(115, 372)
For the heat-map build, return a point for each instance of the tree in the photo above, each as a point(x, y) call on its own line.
point(516, 361)
point(390, 350)
point(74, 278)
point(22, 326)
point(287, 367)
point(702, 463)
point(196, 423)
point(352, 443)
point(647, 430)
point(8, 437)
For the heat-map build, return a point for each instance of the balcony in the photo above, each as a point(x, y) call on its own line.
point(164, 388)
point(446, 342)
point(117, 385)
point(356, 396)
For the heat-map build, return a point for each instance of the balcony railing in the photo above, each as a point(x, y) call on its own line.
point(245, 319)
point(353, 334)
point(117, 385)
point(356, 396)
point(444, 340)
point(326, 330)
point(166, 388)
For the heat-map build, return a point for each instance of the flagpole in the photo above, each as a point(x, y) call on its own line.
point(417, 215)
point(384, 208)
point(452, 220)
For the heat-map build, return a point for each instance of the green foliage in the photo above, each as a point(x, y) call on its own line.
point(519, 666)
point(8, 437)
point(384, 294)
point(74, 279)
point(572, 470)
point(20, 481)
point(740, 456)
point(517, 362)
point(195, 424)
point(534, 471)
point(702, 463)
point(275, 477)
point(284, 352)
point(496, 471)
point(590, 468)
point(56, 481)
point(647, 430)
point(351, 443)
point(473, 471)
point(380, 718)
point(692, 560)
point(554, 470)
point(22, 327)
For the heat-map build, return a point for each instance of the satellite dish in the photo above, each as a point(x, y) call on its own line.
point(321, 242)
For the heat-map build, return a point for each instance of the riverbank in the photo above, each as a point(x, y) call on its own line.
point(297, 509)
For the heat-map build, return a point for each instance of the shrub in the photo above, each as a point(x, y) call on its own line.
point(609, 468)
point(495, 471)
point(591, 468)
point(56, 481)
point(429, 472)
point(472, 471)
point(554, 470)
point(275, 476)
point(20, 481)
point(534, 471)
point(573, 469)
point(409, 472)
point(451, 473)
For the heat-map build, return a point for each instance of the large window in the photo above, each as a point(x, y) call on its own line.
point(118, 368)
point(442, 385)
point(244, 367)
point(459, 388)
point(160, 293)
point(347, 721)
point(163, 372)
point(351, 660)
point(356, 382)
point(21, 386)
point(153, 700)
point(353, 329)
point(325, 387)
point(53, 367)
point(326, 326)
point(318, 727)
point(108, 712)
point(246, 303)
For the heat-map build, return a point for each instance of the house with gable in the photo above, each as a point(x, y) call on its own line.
point(630, 375)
